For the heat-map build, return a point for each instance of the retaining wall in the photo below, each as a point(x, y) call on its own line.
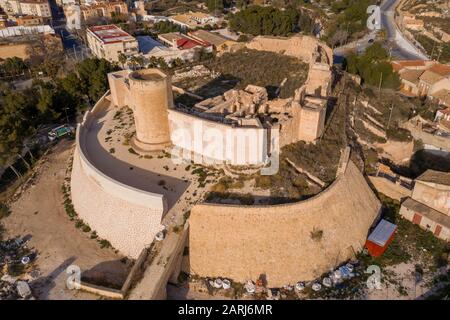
point(127, 217)
point(286, 243)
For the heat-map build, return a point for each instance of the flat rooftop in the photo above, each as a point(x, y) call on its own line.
point(110, 34)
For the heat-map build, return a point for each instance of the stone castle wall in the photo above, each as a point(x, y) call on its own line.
point(243, 242)
point(127, 217)
point(297, 46)
point(216, 141)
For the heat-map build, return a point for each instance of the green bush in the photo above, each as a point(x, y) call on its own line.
point(399, 134)
point(104, 243)
point(4, 210)
point(258, 20)
point(131, 150)
point(373, 67)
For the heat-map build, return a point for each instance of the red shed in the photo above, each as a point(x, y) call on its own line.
point(380, 238)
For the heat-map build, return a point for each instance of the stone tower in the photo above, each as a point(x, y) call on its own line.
point(150, 93)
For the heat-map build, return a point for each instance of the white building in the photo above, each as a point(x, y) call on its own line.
point(38, 8)
point(109, 41)
point(192, 20)
point(150, 47)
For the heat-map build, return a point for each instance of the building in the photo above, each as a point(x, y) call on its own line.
point(192, 20)
point(429, 205)
point(109, 41)
point(25, 30)
point(424, 79)
point(181, 41)
point(28, 20)
point(411, 23)
point(151, 48)
point(78, 15)
point(3, 21)
point(36, 8)
point(380, 238)
point(299, 119)
point(219, 42)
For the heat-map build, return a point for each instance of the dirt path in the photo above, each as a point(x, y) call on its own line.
point(40, 214)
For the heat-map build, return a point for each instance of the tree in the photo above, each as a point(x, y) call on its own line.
point(92, 74)
point(258, 20)
point(122, 59)
point(372, 66)
point(215, 6)
point(339, 38)
point(166, 27)
point(14, 65)
point(133, 63)
point(46, 54)
point(17, 121)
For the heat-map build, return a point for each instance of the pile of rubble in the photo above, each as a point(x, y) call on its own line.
point(195, 72)
point(259, 289)
point(15, 264)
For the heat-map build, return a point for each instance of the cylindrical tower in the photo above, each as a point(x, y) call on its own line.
point(151, 96)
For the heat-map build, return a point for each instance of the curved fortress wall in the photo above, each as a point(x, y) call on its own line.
point(127, 217)
point(243, 242)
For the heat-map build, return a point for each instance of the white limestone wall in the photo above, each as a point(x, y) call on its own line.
point(127, 226)
point(127, 217)
point(216, 142)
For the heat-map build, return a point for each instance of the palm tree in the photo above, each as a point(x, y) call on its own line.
point(133, 62)
point(122, 59)
point(140, 61)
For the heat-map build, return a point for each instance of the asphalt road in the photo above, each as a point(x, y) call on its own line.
point(398, 47)
point(71, 42)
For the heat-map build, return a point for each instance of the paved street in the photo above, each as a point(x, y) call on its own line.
point(401, 47)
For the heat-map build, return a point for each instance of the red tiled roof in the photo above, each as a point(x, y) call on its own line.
point(441, 69)
point(186, 43)
point(445, 111)
point(400, 64)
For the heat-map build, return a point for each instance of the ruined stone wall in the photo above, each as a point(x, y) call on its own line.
point(312, 124)
point(297, 46)
point(319, 80)
point(283, 242)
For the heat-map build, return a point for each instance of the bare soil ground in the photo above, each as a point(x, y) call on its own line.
point(39, 213)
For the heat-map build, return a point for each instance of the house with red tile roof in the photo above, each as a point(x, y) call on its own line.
point(424, 79)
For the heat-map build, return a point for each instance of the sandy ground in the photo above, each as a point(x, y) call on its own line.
point(400, 284)
point(40, 214)
point(397, 151)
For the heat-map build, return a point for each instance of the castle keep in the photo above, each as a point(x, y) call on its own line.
point(241, 114)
